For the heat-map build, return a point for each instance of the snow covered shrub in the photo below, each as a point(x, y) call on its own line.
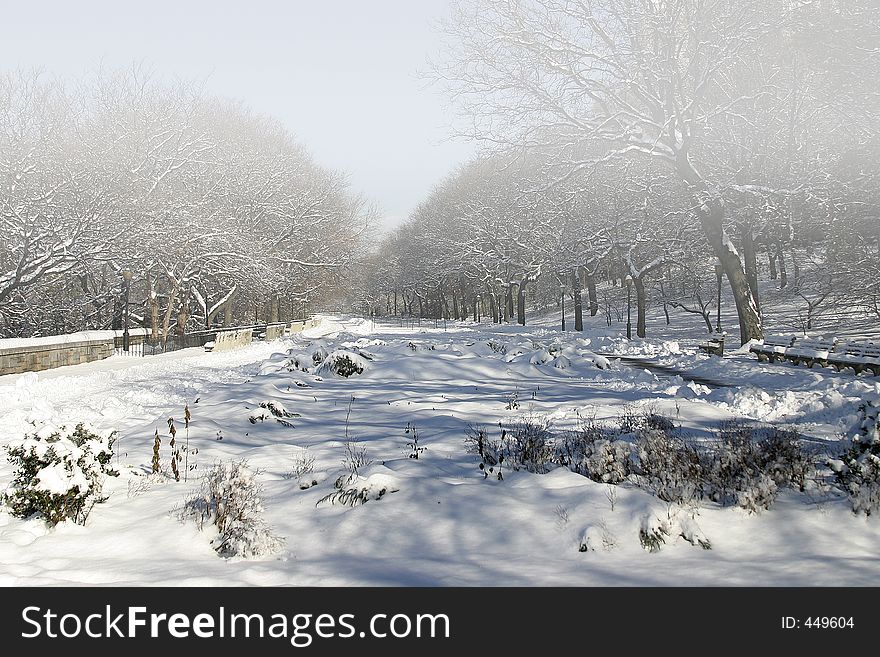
point(272, 409)
point(497, 347)
point(298, 363)
point(231, 500)
point(59, 473)
point(632, 419)
point(671, 469)
point(869, 422)
point(783, 458)
point(528, 444)
point(653, 533)
point(751, 464)
point(593, 452)
point(610, 462)
point(319, 355)
point(302, 468)
point(653, 420)
point(362, 489)
point(596, 536)
point(655, 529)
point(490, 451)
point(356, 457)
point(343, 363)
point(737, 472)
point(860, 479)
point(858, 473)
point(412, 434)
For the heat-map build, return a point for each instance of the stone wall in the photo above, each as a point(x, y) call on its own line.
point(36, 354)
point(296, 327)
point(274, 331)
point(37, 357)
point(227, 340)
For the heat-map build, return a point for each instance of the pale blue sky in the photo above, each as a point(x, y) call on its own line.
point(341, 75)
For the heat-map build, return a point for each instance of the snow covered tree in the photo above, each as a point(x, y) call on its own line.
point(682, 83)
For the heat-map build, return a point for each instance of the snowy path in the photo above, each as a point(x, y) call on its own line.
point(667, 370)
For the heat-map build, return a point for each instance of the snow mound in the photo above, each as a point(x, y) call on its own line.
point(540, 357)
point(598, 361)
point(691, 390)
point(787, 404)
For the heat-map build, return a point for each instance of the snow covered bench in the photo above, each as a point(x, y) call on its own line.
point(713, 346)
point(773, 347)
point(860, 356)
point(811, 351)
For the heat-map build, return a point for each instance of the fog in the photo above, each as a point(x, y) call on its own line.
point(342, 76)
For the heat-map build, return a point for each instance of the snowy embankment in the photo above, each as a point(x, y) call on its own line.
point(438, 519)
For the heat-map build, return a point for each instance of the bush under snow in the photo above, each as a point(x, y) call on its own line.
point(593, 452)
point(859, 471)
point(751, 464)
point(670, 468)
point(59, 472)
point(231, 500)
point(342, 363)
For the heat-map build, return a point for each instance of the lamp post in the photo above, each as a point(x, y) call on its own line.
point(126, 276)
point(562, 296)
point(629, 281)
point(719, 270)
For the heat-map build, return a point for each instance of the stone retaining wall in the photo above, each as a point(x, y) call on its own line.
point(34, 358)
point(274, 331)
point(36, 354)
point(296, 327)
point(227, 340)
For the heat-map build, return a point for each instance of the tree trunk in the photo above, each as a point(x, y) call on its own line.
point(274, 308)
point(118, 311)
point(169, 311)
point(751, 261)
point(226, 308)
point(578, 302)
point(783, 274)
point(591, 293)
point(508, 305)
point(641, 304)
point(665, 304)
point(183, 313)
point(711, 215)
point(521, 303)
point(153, 302)
point(771, 262)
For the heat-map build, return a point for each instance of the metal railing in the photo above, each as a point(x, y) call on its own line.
point(147, 346)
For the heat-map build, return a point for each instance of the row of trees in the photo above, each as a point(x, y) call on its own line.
point(210, 210)
point(650, 140)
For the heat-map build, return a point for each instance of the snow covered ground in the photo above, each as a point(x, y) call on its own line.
point(439, 521)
